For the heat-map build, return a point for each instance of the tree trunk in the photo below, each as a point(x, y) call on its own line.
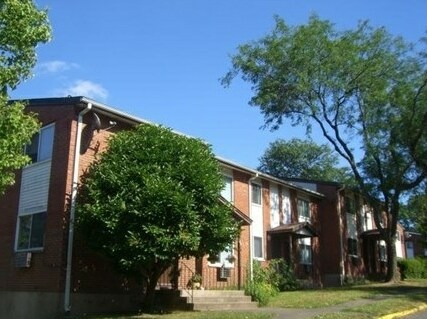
point(391, 259)
point(150, 296)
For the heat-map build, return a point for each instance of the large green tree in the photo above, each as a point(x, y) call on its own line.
point(152, 198)
point(305, 159)
point(22, 28)
point(362, 88)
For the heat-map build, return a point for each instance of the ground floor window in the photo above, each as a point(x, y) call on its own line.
point(352, 247)
point(257, 247)
point(305, 251)
point(31, 231)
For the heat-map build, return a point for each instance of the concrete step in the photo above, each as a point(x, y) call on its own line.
point(219, 299)
point(224, 306)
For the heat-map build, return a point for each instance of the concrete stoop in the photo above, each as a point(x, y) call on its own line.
point(219, 300)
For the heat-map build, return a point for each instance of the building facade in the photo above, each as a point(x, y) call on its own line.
point(45, 266)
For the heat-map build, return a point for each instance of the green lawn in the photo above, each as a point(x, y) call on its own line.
point(388, 298)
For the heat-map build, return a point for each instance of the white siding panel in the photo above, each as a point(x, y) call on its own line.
point(286, 206)
point(274, 206)
point(34, 188)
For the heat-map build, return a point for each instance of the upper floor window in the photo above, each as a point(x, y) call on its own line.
point(303, 210)
point(40, 148)
point(256, 194)
point(350, 205)
point(227, 191)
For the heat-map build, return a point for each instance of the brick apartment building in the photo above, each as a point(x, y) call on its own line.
point(358, 251)
point(45, 267)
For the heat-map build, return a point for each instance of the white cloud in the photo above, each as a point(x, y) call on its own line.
point(56, 66)
point(85, 88)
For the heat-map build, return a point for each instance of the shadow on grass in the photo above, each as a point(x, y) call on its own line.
point(415, 290)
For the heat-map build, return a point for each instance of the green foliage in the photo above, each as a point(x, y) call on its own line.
point(302, 159)
point(268, 281)
point(415, 268)
point(22, 28)
point(282, 276)
point(16, 129)
point(414, 213)
point(366, 91)
point(260, 287)
point(153, 197)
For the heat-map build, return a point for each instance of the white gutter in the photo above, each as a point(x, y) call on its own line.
point(251, 238)
point(74, 186)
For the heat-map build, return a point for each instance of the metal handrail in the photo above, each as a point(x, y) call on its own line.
point(188, 288)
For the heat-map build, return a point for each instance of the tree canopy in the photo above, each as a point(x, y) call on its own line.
point(22, 28)
point(364, 89)
point(305, 159)
point(152, 198)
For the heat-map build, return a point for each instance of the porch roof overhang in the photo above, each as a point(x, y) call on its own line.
point(237, 213)
point(297, 229)
point(372, 233)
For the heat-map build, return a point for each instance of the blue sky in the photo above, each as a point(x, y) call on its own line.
point(161, 60)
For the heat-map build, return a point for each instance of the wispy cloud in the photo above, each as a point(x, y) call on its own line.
point(56, 66)
point(85, 88)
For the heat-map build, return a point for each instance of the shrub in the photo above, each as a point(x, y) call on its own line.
point(412, 268)
point(282, 275)
point(260, 288)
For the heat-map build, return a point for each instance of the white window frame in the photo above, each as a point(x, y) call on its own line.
point(18, 228)
point(258, 187)
point(261, 242)
point(305, 244)
point(228, 177)
point(41, 143)
point(222, 259)
point(303, 218)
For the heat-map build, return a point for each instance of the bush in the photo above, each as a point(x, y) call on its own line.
point(268, 281)
point(282, 275)
point(260, 288)
point(412, 268)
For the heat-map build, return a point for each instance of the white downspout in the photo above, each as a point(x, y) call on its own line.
point(251, 238)
point(75, 181)
point(341, 227)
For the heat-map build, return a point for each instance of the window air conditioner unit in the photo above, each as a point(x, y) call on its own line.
point(224, 273)
point(23, 260)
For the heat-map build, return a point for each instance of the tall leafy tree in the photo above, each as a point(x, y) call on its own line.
point(298, 158)
point(22, 28)
point(152, 198)
point(362, 88)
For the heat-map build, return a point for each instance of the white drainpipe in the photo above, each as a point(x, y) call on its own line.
point(251, 238)
point(74, 186)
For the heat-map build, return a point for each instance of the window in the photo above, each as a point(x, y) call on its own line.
point(352, 247)
point(256, 194)
point(350, 206)
point(382, 251)
point(227, 191)
point(224, 259)
point(40, 148)
point(31, 231)
point(303, 210)
point(257, 247)
point(305, 251)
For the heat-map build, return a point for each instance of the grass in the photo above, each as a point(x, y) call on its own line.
point(334, 296)
point(197, 315)
point(386, 299)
